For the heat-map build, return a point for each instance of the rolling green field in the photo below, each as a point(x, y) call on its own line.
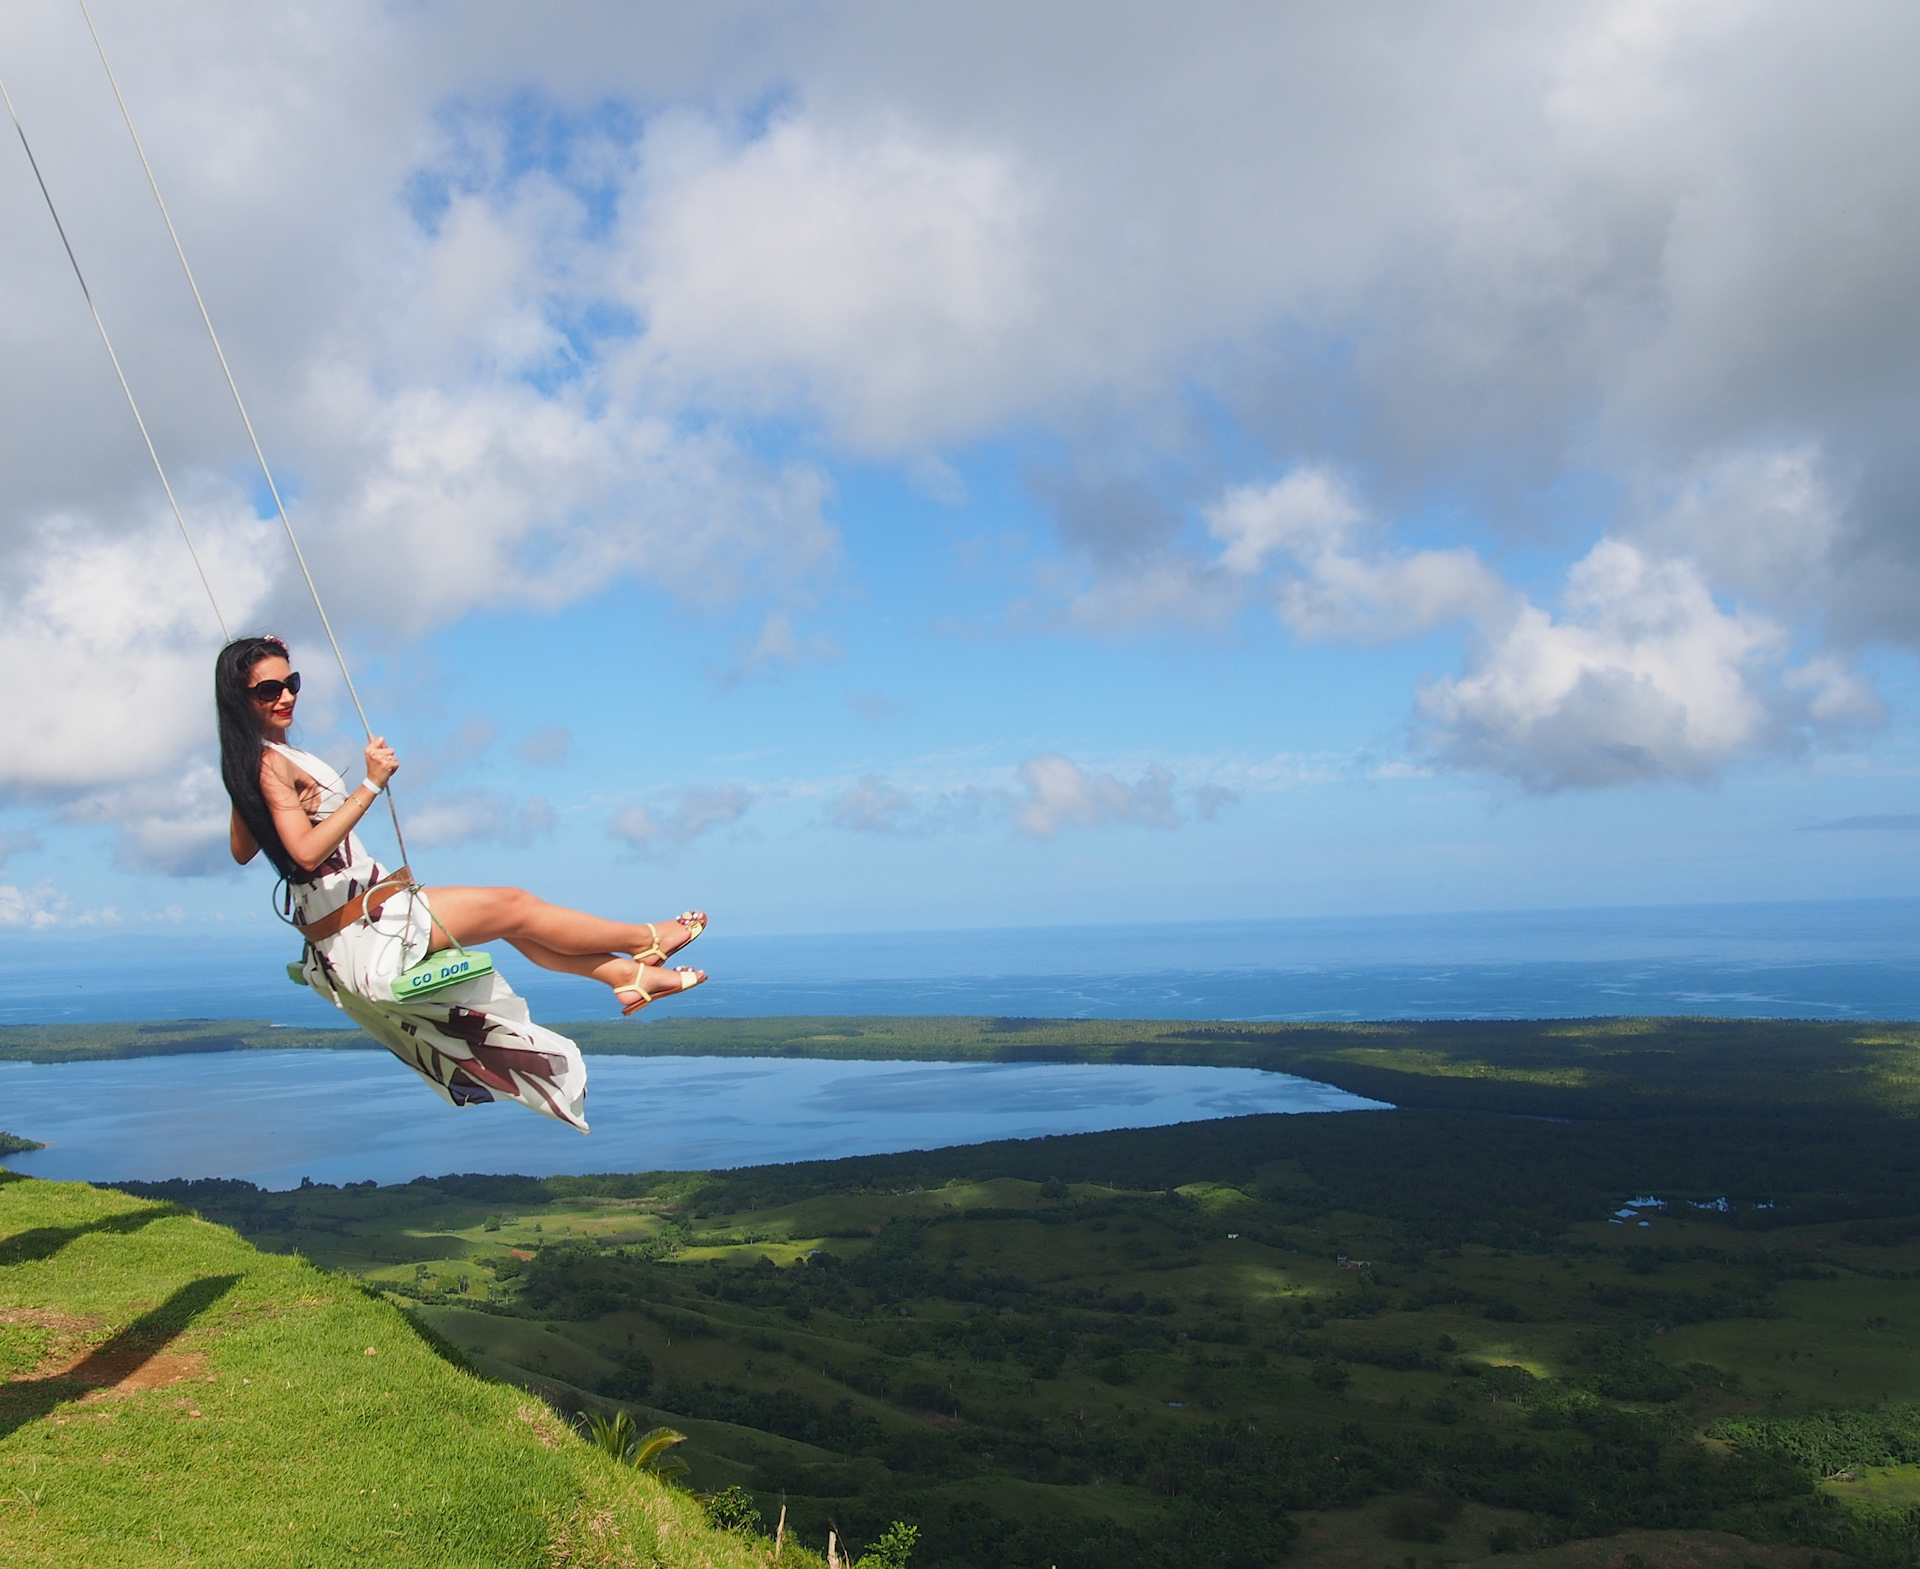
point(1438, 1334)
point(172, 1395)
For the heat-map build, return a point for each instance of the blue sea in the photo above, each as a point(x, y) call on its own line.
point(1841, 959)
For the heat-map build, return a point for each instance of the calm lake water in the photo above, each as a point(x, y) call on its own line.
point(1837, 959)
point(274, 1117)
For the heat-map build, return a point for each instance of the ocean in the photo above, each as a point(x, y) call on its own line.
point(1840, 959)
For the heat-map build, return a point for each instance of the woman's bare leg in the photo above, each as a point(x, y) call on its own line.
point(477, 915)
point(613, 968)
point(553, 937)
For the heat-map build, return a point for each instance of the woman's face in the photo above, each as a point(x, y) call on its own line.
point(275, 716)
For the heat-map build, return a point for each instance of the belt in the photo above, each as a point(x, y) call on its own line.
point(368, 904)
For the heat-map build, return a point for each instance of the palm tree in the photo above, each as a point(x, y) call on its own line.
point(619, 1437)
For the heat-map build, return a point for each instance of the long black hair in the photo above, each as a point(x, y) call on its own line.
point(242, 744)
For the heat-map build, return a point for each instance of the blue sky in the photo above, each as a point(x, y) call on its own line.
point(851, 477)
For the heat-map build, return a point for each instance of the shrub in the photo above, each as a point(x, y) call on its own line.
point(732, 1509)
point(893, 1549)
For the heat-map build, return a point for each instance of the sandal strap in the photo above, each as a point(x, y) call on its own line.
point(653, 952)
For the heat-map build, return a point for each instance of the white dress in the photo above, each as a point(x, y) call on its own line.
point(473, 1041)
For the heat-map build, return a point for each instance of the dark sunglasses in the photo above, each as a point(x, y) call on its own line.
point(269, 691)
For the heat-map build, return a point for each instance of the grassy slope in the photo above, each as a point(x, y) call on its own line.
point(174, 1396)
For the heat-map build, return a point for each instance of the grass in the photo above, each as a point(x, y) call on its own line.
point(175, 1396)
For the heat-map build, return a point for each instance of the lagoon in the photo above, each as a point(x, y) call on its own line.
point(276, 1117)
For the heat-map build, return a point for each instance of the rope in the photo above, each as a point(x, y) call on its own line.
point(158, 467)
point(240, 403)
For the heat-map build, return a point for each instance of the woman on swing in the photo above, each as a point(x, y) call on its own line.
point(363, 924)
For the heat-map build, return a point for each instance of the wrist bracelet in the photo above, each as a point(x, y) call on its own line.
point(368, 784)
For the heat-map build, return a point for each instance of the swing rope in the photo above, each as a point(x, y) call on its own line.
point(81, 278)
point(233, 387)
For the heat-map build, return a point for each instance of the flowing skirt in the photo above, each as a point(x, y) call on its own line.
point(473, 1041)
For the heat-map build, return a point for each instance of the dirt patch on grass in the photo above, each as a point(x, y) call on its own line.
point(72, 1354)
point(125, 1373)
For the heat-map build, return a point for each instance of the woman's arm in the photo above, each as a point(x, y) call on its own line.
point(240, 837)
point(310, 843)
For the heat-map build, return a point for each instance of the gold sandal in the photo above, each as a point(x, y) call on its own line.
point(689, 978)
point(695, 925)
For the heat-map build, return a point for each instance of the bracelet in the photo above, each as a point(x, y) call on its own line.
point(368, 784)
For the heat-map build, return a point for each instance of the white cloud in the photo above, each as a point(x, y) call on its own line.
point(1644, 677)
point(1469, 252)
point(479, 814)
point(44, 907)
point(867, 269)
point(109, 640)
point(1061, 794)
point(178, 826)
point(501, 496)
point(1300, 514)
point(697, 811)
point(1331, 589)
point(1834, 697)
point(1761, 522)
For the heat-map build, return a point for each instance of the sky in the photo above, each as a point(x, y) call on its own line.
point(855, 467)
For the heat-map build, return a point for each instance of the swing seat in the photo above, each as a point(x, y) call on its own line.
point(447, 968)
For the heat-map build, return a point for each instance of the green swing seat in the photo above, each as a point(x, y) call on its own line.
point(446, 968)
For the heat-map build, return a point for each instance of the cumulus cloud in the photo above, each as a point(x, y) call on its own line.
point(116, 632)
point(697, 811)
point(479, 814)
point(1761, 522)
point(178, 826)
point(1331, 589)
point(516, 346)
point(1642, 677)
point(904, 282)
point(1061, 794)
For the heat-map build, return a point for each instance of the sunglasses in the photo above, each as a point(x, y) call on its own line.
point(269, 691)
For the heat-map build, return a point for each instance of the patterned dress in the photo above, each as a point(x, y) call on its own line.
point(473, 1041)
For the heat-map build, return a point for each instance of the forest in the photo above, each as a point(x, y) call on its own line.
point(1642, 1277)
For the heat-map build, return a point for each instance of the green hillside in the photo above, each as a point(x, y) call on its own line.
point(173, 1396)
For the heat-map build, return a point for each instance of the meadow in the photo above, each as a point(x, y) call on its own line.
point(1610, 1292)
point(171, 1395)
